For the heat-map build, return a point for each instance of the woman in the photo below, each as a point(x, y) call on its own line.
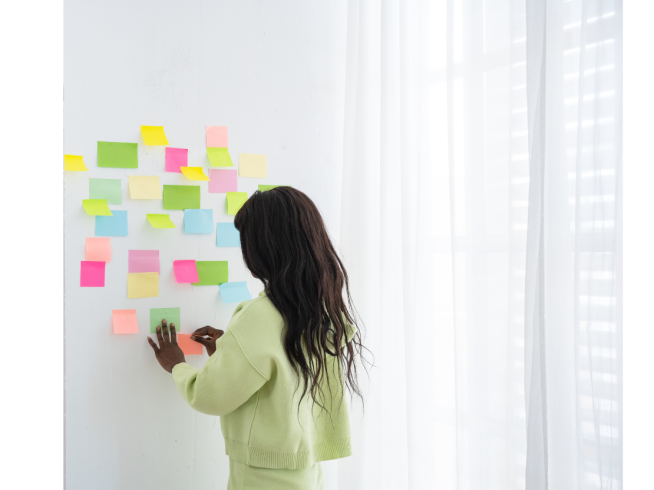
point(276, 376)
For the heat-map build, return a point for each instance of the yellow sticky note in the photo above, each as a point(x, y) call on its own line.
point(250, 165)
point(142, 284)
point(154, 135)
point(74, 162)
point(96, 207)
point(235, 201)
point(144, 187)
point(194, 173)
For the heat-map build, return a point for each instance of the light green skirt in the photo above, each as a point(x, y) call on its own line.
point(245, 477)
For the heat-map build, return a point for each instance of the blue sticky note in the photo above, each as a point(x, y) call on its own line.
point(235, 292)
point(115, 225)
point(227, 235)
point(198, 220)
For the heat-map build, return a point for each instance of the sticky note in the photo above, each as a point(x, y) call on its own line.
point(175, 158)
point(211, 272)
point(217, 136)
point(144, 187)
point(143, 261)
point(160, 221)
point(98, 249)
point(92, 274)
point(171, 315)
point(250, 165)
point(75, 163)
point(194, 173)
point(117, 155)
point(124, 321)
point(96, 207)
point(181, 196)
point(235, 292)
point(267, 187)
point(235, 201)
point(227, 235)
point(219, 157)
point(185, 271)
point(198, 221)
point(108, 189)
point(221, 181)
point(189, 347)
point(142, 285)
point(115, 225)
point(154, 135)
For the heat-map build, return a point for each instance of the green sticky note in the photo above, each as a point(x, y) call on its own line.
point(235, 201)
point(181, 196)
point(267, 187)
point(96, 207)
point(118, 155)
point(219, 157)
point(108, 189)
point(161, 221)
point(171, 315)
point(211, 272)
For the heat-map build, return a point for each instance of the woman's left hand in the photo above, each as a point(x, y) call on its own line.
point(168, 353)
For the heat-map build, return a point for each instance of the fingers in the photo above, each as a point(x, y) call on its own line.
point(153, 345)
point(164, 327)
point(201, 340)
point(160, 337)
point(204, 331)
point(217, 334)
point(173, 334)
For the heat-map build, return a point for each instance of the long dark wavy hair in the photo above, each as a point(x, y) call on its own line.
point(285, 244)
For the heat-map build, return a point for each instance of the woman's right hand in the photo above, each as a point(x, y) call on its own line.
point(207, 336)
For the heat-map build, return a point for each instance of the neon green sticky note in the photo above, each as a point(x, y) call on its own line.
point(75, 163)
point(250, 165)
point(211, 272)
point(267, 187)
point(181, 196)
point(117, 155)
point(194, 173)
point(219, 157)
point(144, 187)
point(108, 189)
point(96, 207)
point(160, 221)
point(154, 135)
point(235, 201)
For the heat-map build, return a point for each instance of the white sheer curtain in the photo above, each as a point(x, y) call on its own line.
point(436, 213)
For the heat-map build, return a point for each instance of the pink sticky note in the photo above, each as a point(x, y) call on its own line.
point(98, 249)
point(217, 137)
point(221, 180)
point(175, 158)
point(143, 261)
point(189, 347)
point(185, 271)
point(92, 274)
point(124, 321)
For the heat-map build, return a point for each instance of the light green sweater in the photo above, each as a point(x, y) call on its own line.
point(250, 384)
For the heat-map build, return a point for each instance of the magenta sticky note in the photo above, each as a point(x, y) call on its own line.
point(185, 271)
point(217, 137)
point(124, 321)
point(175, 158)
point(221, 180)
point(143, 261)
point(92, 274)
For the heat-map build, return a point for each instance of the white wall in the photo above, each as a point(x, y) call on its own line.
point(273, 72)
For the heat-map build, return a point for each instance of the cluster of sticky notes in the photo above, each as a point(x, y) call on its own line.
point(180, 197)
point(198, 220)
point(186, 272)
point(235, 292)
point(144, 187)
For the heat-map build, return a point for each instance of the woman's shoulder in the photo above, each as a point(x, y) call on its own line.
point(256, 320)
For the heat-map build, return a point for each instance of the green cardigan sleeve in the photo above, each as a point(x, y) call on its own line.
point(226, 381)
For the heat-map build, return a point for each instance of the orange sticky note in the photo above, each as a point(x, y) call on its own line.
point(98, 249)
point(124, 321)
point(217, 137)
point(188, 346)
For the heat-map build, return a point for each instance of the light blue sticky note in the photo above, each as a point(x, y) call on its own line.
point(115, 225)
point(227, 235)
point(198, 220)
point(235, 292)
